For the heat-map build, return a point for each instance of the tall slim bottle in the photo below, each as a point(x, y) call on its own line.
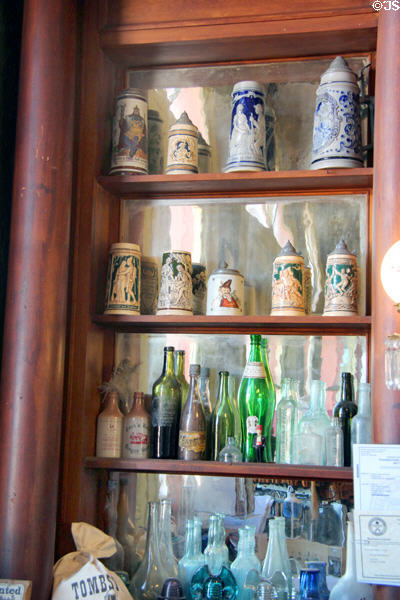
point(192, 428)
point(245, 561)
point(165, 409)
point(223, 419)
point(180, 374)
point(274, 565)
point(207, 406)
point(286, 417)
point(271, 392)
point(361, 426)
point(256, 403)
point(345, 410)
point(167, 554)
point(193, 558)
point(216, 551)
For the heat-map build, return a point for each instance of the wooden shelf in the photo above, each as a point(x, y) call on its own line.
point(264, 182)
point(309, 325)
point(220, 469)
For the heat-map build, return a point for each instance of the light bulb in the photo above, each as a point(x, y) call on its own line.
point(390, 273)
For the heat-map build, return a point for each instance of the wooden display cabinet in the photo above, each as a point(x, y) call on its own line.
point(66, 213)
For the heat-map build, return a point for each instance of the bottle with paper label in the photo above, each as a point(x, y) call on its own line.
point(256, 403)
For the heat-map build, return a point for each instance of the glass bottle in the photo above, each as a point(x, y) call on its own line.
point(116, 561)
point(136, 430)
point(207, 406)
point(309, 585)
point(148, 580)
point(192, 428)
point(271, 396)
point(293, 513)
point(165, 409)
point(274, 562)
point(230, 452)
point(321, 566)
point(193, 558)
point(109, 428)
point(126, 530)
point(284, 552)
point(361, 426)
point(334, 444)
point(348, 588)
point(215, 553)
point(311, 429)
point(285, 424)
point(345, 410)
point(223, 421)
point(180, 374)
point(166, 551)
point(256, 402)
point(245, 560)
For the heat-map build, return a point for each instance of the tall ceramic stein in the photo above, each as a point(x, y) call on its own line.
point(123, 280)
point(247, 142)
point(182, 151)
point(337, 126)
point(175, 295)
point(129, 135)
point(341, 286)
point(288, 293)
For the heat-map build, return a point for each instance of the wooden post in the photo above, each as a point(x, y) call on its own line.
point(385, 319)
point(36, 310)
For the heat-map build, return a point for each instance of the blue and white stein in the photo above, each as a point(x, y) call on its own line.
point(247, 140)
point(337, 127)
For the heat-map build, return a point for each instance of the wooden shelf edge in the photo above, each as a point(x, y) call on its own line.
point(313, 324)
point(212, 468)
point(262, 182)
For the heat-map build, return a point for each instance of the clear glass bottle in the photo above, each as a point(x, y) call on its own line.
point(223, 420)
point(216, 553)
point(284, 552)
point(116, 561)
point(348, 588)
point(148, 580)
point(180, 374)
point(207, 406)
point(165, 409)
point(126, 530)
point(334, 444)
point(245, 560)
point(230, 453)
point(361, 425)
point(192, 428)
point(256, 403)
point(274, 561)
point(286, 418)
point(345, 410)
point(293, 514)
point(136, 430)
point(309, 585)
point(321, 566)
point(109, 428)
point(166, 551)
point(193, 558)
point(315, 421)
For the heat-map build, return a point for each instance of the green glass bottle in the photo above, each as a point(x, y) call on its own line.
point(256, 403)
point(180, 374)
point(166, 409)
point(345, 410)
point(270, 440)
point(223, 419)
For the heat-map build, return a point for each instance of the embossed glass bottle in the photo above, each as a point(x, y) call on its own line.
point(180, 374)
point(223, 420)
point(256, 403)
point(192, 428)
point(285, 424)
point(193, 558)
point(245, 560)
point(165, 409)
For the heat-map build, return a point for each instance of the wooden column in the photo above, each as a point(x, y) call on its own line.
point(36, 310)
point(385, 319)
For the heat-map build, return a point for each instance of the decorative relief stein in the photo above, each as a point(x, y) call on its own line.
point(129, 135)
point(175, 296)
point(225, 292)
point(182, 147)
point(156, 158)
point(199, 288)
point(149, 286)
point(288, 292)
point(123, 280)
point(247, 142)
point(341, 286)
point(337, 127)
point(204, 154)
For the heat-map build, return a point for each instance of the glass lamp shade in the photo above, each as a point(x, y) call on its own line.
point(390, 273)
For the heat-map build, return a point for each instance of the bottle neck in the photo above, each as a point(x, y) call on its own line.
point(222, 395)
point(286, 388)
point(189, 539)
point(111, 402)
point(180, 364)
point(255, 349)
point(165, 523)
point(346, 392)
point(152, 539)
point(317, 403)
point(169, 367)
point(194, 392)
point(364, 401)
point(138, 401)
point(197, 536)
point(212, 531)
